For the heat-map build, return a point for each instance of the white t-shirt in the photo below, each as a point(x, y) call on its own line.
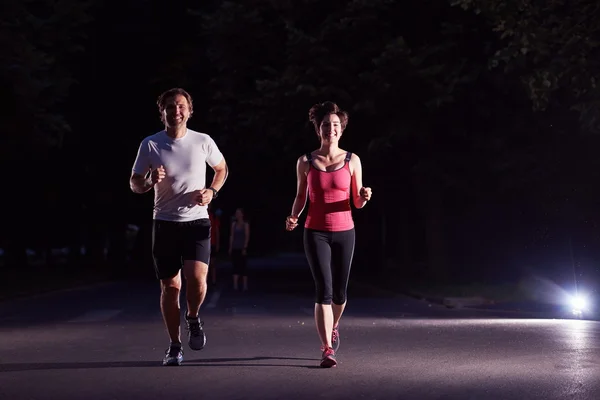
point(184, 160)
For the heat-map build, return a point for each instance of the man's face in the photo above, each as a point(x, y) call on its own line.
point(176, 112)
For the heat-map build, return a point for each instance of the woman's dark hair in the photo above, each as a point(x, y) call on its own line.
point(319, 111)
point(162, 99)
point(244, 216)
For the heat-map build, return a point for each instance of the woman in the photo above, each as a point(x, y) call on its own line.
point(238, 248)
point(215, 242)
point(332, 177)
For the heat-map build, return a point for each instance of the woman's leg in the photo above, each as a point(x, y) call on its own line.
point(213, 266)
point(318, 254)
point(342, 252)
point(235, 264)
point(244, 272)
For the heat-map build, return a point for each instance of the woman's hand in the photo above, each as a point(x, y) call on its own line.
point(365, 193)
point(291, 223)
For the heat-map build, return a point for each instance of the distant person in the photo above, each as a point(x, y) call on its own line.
point(173, 163)
point(215, 242)
point(239, 238)
point(333, 178)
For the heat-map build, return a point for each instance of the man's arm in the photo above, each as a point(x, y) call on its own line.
point(139, 183)
point(221, 173)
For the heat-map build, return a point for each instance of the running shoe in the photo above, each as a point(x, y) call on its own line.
point(328, 358)
point(173, 356)
point(335, 339)
point(196, 336)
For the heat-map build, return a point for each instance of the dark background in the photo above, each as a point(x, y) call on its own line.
point(476, 123)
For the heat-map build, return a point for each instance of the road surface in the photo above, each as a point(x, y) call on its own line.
point(107, 342)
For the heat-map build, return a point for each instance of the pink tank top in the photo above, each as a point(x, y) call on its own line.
point(329, 198)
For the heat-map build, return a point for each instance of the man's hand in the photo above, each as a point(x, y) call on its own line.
point(204, 196)
point(158, 175)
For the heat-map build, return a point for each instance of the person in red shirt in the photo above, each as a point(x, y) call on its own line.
point(332, 177)
point(215, 242)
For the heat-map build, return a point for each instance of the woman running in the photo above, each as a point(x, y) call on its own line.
point(332, 176)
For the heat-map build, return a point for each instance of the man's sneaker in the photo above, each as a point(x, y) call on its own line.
point(196, 337)
point(335, 338)
point(328, 358)
point(173, 356)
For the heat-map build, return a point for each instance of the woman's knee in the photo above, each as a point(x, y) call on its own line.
point(323, 301)
point(323, 296)
point(339, 298)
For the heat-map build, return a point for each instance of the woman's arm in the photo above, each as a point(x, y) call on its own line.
point(360, 194)
point(231, 233)
point(217, 234)
point(302, 167)
point(246, 235)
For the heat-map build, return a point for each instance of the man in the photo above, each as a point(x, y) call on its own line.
point(173, 163)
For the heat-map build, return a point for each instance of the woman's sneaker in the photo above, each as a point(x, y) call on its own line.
point(335, 338)
point(173, 356)
point(328, 358)
point(196, 336)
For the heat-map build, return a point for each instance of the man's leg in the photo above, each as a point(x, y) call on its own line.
point(195, 269)
point(169, 306)
point(195, 275)
point(167, 264)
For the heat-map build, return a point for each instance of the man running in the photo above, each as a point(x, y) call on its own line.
point(173, 163)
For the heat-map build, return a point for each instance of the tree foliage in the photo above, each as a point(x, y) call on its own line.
point(552, 46)
point(39, 40)
point(272, 60)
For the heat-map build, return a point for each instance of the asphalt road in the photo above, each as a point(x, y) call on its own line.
point(107, 342)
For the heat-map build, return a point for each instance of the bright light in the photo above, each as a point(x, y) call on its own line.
point(579, 302)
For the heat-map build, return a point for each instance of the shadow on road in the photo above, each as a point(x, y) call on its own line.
point(212, 362)
point(231, 362)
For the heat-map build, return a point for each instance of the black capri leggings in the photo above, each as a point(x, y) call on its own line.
point(239, 262)
point(329, 255)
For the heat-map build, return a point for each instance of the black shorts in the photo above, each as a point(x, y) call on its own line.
point(175, 242)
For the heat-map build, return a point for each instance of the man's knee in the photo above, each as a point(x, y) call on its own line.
point(195, 271)
point(171, 286)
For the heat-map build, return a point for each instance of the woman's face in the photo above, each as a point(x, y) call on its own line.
point(239, 214)
point(330, 129)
